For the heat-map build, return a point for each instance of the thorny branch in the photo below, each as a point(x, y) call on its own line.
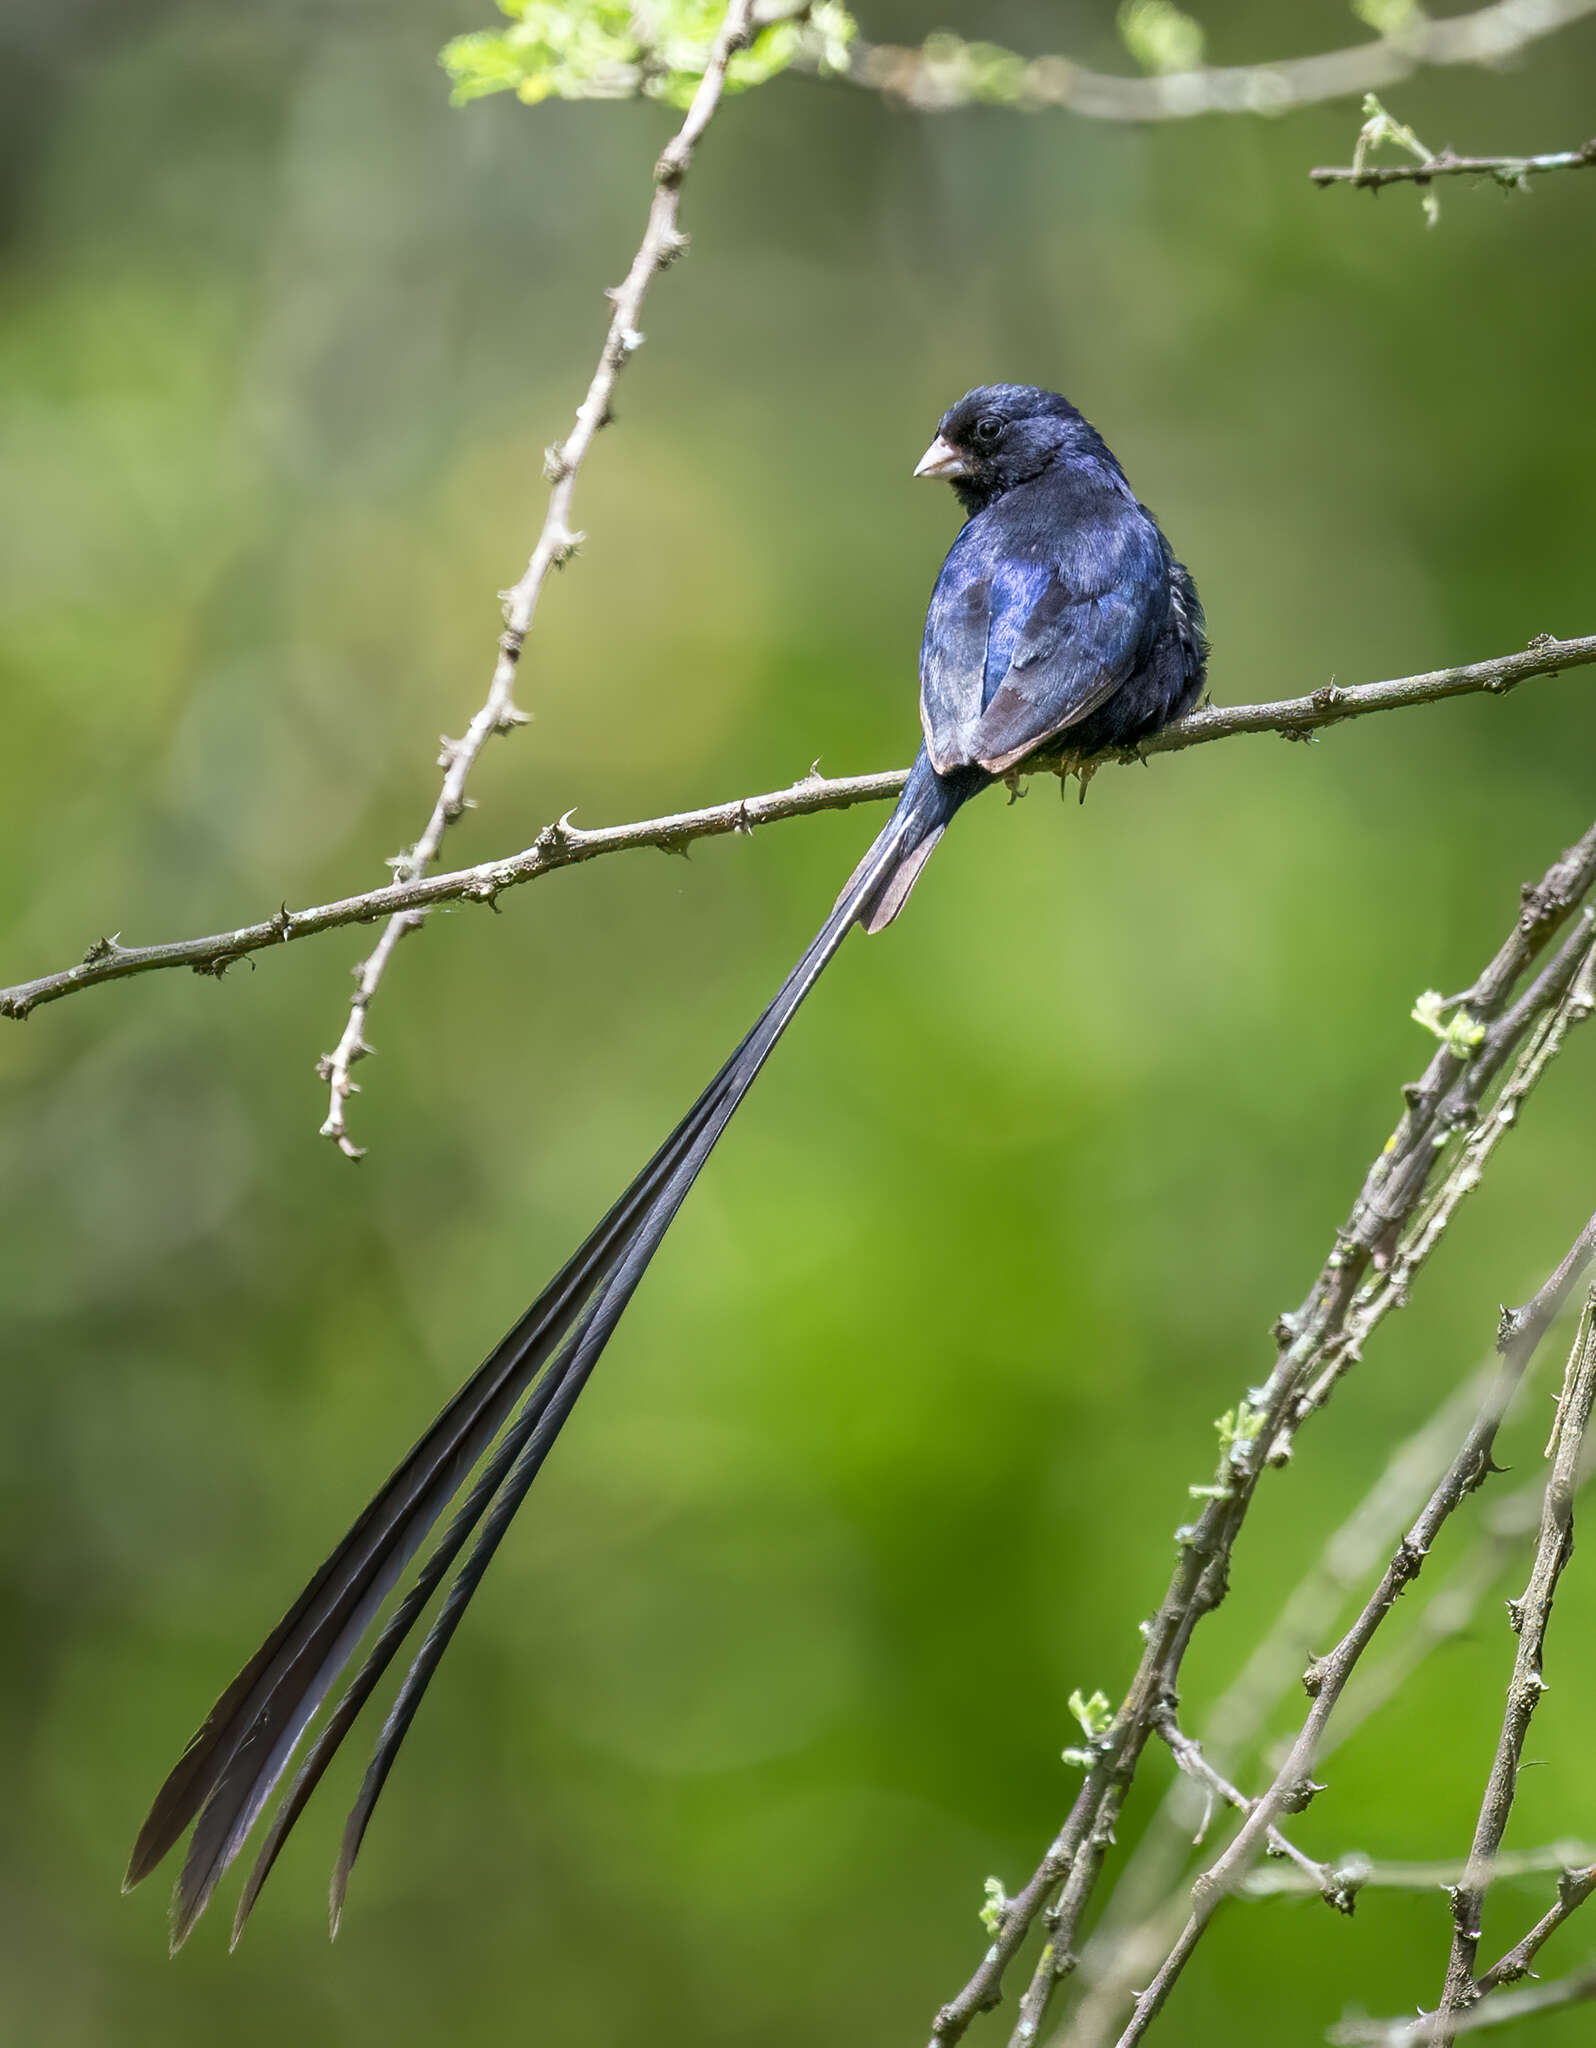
point(563, 845)
point(1575, 1883)
point(945, 73)
point(1315, 1345)
point(662, 243)
point(1368, 1875)
point(1560, 996)
point(1189, 1758)
point(1147, 1907)
point(1511, 171)
point(1500, 2012)
point(1531, 1615)
point(1521, 1332)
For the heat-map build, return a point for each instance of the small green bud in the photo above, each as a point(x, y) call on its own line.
point(1460, 1033)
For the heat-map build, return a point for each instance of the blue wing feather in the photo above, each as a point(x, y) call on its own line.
point(1024, 640)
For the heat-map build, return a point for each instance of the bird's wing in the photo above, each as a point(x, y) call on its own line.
point(1018, 650)
point(958, 626)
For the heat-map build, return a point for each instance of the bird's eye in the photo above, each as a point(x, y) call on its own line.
point(987, 429)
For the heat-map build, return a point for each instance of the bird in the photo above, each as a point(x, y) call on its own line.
point(1060, 619)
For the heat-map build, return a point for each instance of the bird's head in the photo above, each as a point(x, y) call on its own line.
point(1000, 435)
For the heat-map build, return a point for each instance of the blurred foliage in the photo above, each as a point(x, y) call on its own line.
point(886, 1462)
point(1160, 37)
point(609, 49)
point(1389, 17)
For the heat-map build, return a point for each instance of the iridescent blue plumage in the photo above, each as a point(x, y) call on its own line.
point(1060, 609)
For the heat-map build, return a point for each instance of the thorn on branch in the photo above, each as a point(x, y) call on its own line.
point(336, 1065)
point(1299, 1797)
point(556, 838)
point(1341, 1892)
point(334, 1129)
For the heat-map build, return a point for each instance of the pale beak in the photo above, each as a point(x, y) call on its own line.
point(942, 459)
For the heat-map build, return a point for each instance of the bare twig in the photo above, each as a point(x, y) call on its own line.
point(1311, 1340)
point(1575, 1884)
point(1510, 171)
point(946, 73)
point(563, 845)
point(1326, 1680)
point(662, 243)
point(1188, 1755)
point(1531, 1616)
point(1547, 1016)
point(1499, 2012)
point(1274, 1880)
point(1147, 1908)
point(1451, 1609)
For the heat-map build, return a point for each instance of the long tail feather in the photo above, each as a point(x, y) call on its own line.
point(396, 1521)
point(583, 1353)
point(391, 1639)
point(228, 1771)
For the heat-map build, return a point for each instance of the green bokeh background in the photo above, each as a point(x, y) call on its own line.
point(888, 1455)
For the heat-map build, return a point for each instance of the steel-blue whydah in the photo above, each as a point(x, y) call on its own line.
point(1060, 618)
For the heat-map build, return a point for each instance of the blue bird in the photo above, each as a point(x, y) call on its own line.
point(1061, 619)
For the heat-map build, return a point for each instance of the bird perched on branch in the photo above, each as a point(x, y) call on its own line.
point(1061, 618)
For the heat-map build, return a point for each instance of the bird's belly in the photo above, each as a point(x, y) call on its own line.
point(1164, 688)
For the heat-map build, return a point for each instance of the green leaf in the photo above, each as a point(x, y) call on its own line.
point(1460, 1033)
point(1096, 1715)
